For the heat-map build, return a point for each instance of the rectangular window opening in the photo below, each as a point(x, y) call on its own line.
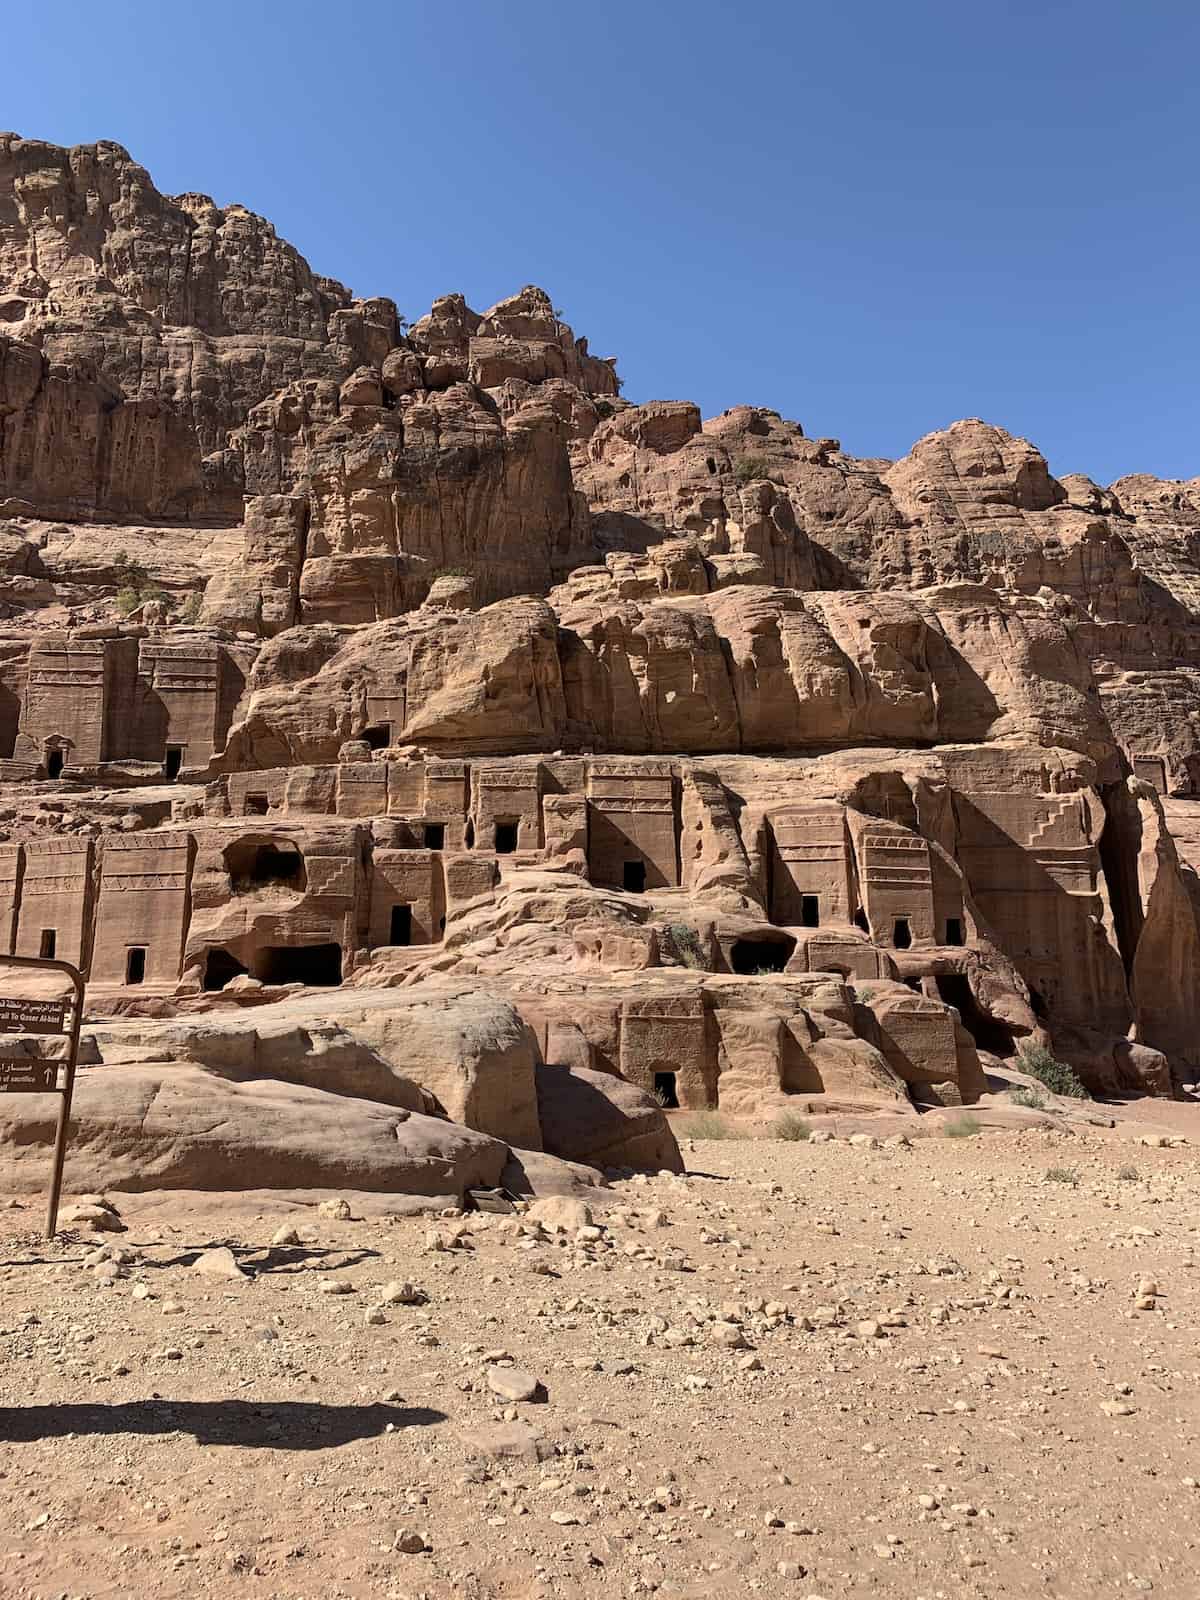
point(954, 931)
point(255, 805)
point(506, 838)
point(48, 944)
point(810, 911)
point(135, 964)
point(435, 836)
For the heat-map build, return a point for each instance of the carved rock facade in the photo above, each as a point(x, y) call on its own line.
point(340, 653)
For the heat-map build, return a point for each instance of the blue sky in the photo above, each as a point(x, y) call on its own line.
point(872, 217)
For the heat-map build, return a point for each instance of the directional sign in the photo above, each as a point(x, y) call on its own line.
point(21, 1015)
point(27, 1075)
point(39, 1074)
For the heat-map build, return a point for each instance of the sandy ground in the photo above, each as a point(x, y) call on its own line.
point(962, 1367)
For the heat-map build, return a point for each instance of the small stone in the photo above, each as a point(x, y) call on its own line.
point(339, 1209)
point(511, 1383)
point(285, 1237)
point(401, 1294)
point(409, 1542)
point(218, 1263)
point(336, 1286)
point(869, 1330)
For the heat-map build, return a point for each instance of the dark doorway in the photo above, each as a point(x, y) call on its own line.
point(955, 989)
point(316, 964)
point(633, 877)
point(954, 931)
point(664, 1091)
point(810, 911)
point(435, 835)
point(469, 835)
point(401, 929)
point(506, 838)
point(378, 737)
point(255, 805)
point(135, 964)
point(750, 956)
point(54, 763)
point(173, 762)
point(860, 921)
point(219, 968)
point(48, 944)
point(901, 933)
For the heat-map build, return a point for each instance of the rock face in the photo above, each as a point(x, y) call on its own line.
point(406, 732)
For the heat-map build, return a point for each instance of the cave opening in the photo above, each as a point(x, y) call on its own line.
point(378, 737)
point(751, 956)
point(633, 877)
point(955, 989)
point(665, 1091)
point(506, 838)
point(220, 968)
point(317, 965)
point(254, 865)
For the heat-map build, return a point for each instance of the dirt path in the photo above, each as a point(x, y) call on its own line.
point(821, 1370)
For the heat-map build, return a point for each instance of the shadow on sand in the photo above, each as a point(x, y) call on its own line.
point(270, 1425)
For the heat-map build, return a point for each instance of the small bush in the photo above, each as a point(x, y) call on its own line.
point(1037, 1062)
point(963, 1128)
point(190, 609)
point(1029, 1098)
point(791, 1127)
point(1128, 1175)
point(750, 468)
point(687, 946)
point(128, 600)
point(1063, 1175)
point(709, 1125)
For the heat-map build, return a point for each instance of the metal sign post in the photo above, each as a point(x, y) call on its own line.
point(39, 1074)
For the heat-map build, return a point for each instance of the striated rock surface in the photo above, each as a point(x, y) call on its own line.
point(407, 732)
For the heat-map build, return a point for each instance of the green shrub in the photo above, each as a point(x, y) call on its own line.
point(1063, 1175)
point(128, 600)
point(1037, 1062)
point(963, 1128)
point(190, 609)
point(792, 1127)
point(687, 945)
point(1029, 1098)
point(709, 1125)
point(750, 468)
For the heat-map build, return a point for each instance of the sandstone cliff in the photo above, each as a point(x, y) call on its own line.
point(344, 652)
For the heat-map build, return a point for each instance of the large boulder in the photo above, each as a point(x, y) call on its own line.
point(178, 1126)
point(603, 1121)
